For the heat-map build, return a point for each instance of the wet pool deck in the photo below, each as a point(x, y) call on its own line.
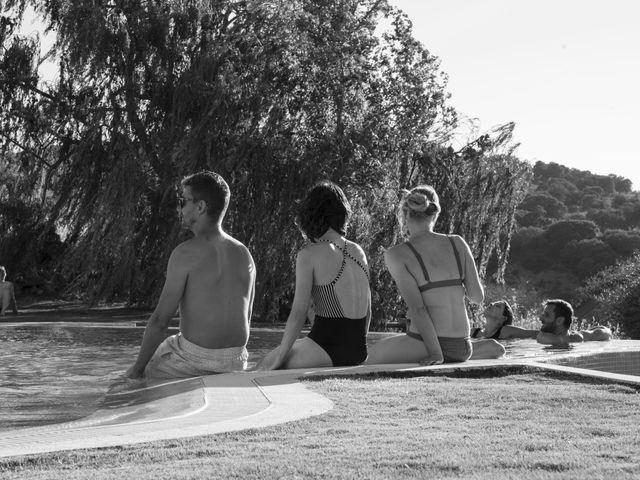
point(213, 404)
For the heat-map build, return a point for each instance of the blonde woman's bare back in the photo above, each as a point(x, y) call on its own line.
point(444, 272)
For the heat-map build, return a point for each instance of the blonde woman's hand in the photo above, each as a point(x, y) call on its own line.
point(432, 360)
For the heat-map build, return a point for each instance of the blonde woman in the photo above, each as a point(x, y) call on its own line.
point(434, 273)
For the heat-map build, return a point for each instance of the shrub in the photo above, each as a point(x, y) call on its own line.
point(617, 288)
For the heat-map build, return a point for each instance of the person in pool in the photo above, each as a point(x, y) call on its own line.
point(211, 278)
point(499, 323)
point(332, 275)
point(556, 321)
point(498, 326)
point(434, 273)
point(7, 294)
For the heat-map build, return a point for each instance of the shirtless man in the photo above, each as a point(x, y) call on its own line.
point(7, 294)
point(556, 320)
point(211, 278)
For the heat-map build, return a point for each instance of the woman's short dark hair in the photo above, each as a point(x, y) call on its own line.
point(325, 206)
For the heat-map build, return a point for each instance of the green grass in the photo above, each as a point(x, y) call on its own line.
point(506, 423)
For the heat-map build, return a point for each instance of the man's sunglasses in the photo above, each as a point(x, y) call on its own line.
point(182, 201)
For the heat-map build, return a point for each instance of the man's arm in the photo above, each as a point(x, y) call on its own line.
point(252, 267)
point(559, 340)
point(509, 331)
point(597, 334)
point(158, 323)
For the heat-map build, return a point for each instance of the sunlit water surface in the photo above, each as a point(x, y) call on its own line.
point(60, 372)
point(57, 373)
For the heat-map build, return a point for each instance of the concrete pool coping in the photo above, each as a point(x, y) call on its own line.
point(221, 403)
point(172, 409)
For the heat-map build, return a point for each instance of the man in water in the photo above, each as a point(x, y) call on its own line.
point(211, 278)
point(556, 321)
point(7, 294)
point(553, 331)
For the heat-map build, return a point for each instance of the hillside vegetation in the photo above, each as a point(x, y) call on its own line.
point(575, 238)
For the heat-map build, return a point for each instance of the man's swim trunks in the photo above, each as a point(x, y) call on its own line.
point(454, 349)
point(177, 357)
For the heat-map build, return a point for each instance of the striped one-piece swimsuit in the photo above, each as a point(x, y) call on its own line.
point(344, 339)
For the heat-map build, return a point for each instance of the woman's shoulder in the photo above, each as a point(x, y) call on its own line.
point(459, 242)
point(355, 249)
point(396, 252)
point(311, 249)
point(457, 239)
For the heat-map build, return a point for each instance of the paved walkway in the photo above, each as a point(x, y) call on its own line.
point(213, 404)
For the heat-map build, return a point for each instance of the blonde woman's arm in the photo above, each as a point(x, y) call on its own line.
point(472, 285)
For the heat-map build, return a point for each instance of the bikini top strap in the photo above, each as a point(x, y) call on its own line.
point(415, 252)
point(455, 252)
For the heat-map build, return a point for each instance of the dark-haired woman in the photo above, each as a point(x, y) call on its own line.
point(434, 273)
point(331, 275)
point(498, 322)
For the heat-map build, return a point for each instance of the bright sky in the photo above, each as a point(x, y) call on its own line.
point(567, 72)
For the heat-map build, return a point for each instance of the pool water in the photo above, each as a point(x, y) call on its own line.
point(60, 372)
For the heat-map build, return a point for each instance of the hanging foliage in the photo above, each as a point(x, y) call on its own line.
point(273, 95)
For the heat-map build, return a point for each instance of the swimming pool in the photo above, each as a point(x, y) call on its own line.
point(59, 372)
point(615, 356)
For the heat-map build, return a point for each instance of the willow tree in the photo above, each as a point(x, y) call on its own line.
point(480, 187)
point(273, 95)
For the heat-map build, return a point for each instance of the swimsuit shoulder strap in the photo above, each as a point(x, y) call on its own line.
point(417, 255)
point(496, 335)
point(344, 260)
point(357, 262)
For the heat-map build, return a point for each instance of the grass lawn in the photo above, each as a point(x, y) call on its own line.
point(513, 423)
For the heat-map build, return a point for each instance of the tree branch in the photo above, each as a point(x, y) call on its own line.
point(26, 149)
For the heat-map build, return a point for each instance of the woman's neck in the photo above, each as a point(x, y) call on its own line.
point(330, 235)
point(420, 230)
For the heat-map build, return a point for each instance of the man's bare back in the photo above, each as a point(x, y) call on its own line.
point(216, 304)
point(7, 298)
point(211, 279)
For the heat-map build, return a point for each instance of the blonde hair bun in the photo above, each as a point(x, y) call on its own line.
point(417, 202)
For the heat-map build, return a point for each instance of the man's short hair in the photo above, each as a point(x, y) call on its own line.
point(212, 189)
point(561, 308)
point(325, 206)
point(507, 311)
